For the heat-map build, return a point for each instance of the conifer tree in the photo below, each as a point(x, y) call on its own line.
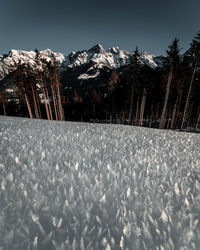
point(146, 80)
point(56, 90)
point(112, 85)
point(171, 63)
point(195, 56)
point(23, 89)
point(181, 77)
point(40, 78)
point(135, 68)
point(33, 88)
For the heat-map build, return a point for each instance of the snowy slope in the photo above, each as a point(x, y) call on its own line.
point(89, 186)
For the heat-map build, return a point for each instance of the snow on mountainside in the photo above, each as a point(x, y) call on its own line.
point(112, 58)
point(8, 62)
point(98, 58)
point(67, 185)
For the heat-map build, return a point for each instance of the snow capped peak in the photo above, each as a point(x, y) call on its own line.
point(13, 52)
point(97, 49)
point(18, 53)
point(8, 62)
point(97, 57)
point(148, 58)
point(48, 50)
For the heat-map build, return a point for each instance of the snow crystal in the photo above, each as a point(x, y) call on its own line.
point(66, 185)
point(164, 216)
point(10, 177)
point(128, 192)
point(127, 230)
point(16, 160)
point(43, 155)
point(122, 242)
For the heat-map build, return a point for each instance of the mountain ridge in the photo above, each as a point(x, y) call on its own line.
point(81, 71)
point(112, 58)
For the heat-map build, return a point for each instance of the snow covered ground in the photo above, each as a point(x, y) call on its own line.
point(67, 185)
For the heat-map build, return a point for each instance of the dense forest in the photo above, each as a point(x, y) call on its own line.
point(165, 97)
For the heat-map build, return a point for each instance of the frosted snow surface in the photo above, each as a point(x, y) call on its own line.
point(67, 185)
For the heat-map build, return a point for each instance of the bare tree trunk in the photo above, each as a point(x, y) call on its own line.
point(142, 107)
point(54, 101)
point(57, 106)
point(178, 107)
point(114, 117)
point(131, 105)
point(137, 111)
point(59, 101)
point(123, 117)
point(118, 116)
point(157, 116)
point(4, 109)
point(111, 118)
point(28, 105)
point(173, 115)
point(172, 124)
point(163, 115)
point(49, 105)
point(35, 103)
point(38, 103)
point(188, 96)
point(169, 116)
point(190, 107)
point(197, 120)
point(45, 103)
point(151, 117)
point(106, 116)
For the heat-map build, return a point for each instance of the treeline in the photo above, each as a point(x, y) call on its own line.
point(39, 90)
point(164, 97)
point(161, 97)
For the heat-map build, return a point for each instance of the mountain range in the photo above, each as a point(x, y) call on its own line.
point(82, 69)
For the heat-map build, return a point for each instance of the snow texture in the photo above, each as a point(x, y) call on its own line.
point(66, 185)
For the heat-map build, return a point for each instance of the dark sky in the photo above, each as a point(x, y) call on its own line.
point(71, 25)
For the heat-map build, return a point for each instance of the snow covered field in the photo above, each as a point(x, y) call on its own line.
point(67, 185)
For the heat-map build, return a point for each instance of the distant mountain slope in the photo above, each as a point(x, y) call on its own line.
point(8, 62)
point(87, 66)
point(112, 58)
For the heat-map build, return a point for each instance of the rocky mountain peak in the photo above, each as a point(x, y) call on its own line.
point(97, 49)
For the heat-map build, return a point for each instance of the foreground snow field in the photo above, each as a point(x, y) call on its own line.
point(67, 185)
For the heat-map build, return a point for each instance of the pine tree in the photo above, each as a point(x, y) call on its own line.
point(112, 86)
point(41, 79)
point(135, 68)
point(56, 87)
point(171, 63)
point(195, 56)
point(142, 107)
point(30, 75)
point(23, 87)
point(146, 82)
